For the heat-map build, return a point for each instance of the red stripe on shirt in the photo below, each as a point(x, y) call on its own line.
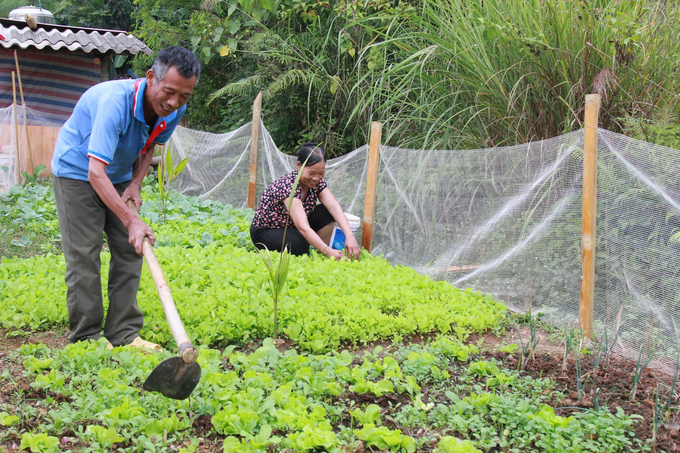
point(134, 102)
point(97, 158)
point(156, 132)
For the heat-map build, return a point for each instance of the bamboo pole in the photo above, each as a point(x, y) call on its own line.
point(17, 162)
point(254, 147)
point(28, 141)
point(371, 183)
point(589, 214)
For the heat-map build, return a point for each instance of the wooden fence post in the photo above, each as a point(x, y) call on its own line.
point(254, 147)
point(29, 151)
point(17, 160)
point(371, 183)
point(589, 214)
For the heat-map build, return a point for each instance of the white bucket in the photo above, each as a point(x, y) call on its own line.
point(338, 237)
point(354, 222)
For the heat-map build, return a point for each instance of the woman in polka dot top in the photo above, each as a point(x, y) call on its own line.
point(309, 223)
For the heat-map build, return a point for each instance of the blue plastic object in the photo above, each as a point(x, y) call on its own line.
point(338, 239)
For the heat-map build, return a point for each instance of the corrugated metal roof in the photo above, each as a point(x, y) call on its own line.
point(60, 37)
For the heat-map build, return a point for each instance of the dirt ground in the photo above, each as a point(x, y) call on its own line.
point(612, 380)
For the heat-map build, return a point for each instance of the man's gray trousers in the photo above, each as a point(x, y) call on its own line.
point(83, 217)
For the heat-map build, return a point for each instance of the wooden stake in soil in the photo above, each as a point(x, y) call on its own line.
point(29, 152)
point(371, 183)
point(589, 214)
point(254, 147)
point(17, 162)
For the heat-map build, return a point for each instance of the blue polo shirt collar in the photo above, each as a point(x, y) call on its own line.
point(138, 113)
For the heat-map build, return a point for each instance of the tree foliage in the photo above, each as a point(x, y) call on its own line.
point(438, 73)
point(106, 14)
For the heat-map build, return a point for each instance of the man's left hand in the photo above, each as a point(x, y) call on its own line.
point(133, 193)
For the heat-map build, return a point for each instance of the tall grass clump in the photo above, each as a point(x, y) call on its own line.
point(479, 73)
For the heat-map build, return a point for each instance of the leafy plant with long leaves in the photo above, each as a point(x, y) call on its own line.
point(167, 173)
point(278, 269)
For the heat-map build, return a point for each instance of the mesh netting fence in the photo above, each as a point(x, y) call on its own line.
point(504, 221)
point(14, 141)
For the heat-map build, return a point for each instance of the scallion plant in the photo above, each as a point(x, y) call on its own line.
point(640, 367)
point(568, 346)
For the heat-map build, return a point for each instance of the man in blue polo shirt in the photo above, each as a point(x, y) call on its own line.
point(101, 156)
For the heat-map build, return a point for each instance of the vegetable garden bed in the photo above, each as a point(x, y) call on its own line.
point(376, 357)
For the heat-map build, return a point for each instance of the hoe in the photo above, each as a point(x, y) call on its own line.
point(175, 377)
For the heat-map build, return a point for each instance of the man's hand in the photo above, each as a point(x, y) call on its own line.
point(101, 183)
point(137, 231)
point(133, 193)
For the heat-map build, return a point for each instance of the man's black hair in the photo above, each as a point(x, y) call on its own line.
point(184, 60)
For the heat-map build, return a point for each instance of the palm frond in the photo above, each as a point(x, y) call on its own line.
point(289, 79)
point(236, 88)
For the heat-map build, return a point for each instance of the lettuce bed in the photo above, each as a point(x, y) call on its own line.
point(219, 284)
point(222, 295)
point(271, 400)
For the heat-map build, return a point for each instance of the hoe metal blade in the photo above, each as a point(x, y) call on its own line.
point(174, 378)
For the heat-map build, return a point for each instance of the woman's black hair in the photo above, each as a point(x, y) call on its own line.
point(312, 150)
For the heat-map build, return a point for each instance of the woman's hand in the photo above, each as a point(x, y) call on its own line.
point(352, 247)
point(330, 252)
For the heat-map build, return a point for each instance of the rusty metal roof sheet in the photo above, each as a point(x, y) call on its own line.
point(61, 37)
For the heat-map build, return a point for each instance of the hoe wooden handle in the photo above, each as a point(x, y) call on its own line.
point(187, 350)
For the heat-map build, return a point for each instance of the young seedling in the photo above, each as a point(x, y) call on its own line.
point(671, 388)
point(579, 372)
point(568, 346)
point(597, 357)
point(581, 378)
point(533, 320)
point(528, 348)
point(278, 271)
point(597, 393)
point(166, 174)
point(610, 347)
point(657, 417)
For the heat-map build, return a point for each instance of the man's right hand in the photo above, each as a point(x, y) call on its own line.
point(137, 231)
